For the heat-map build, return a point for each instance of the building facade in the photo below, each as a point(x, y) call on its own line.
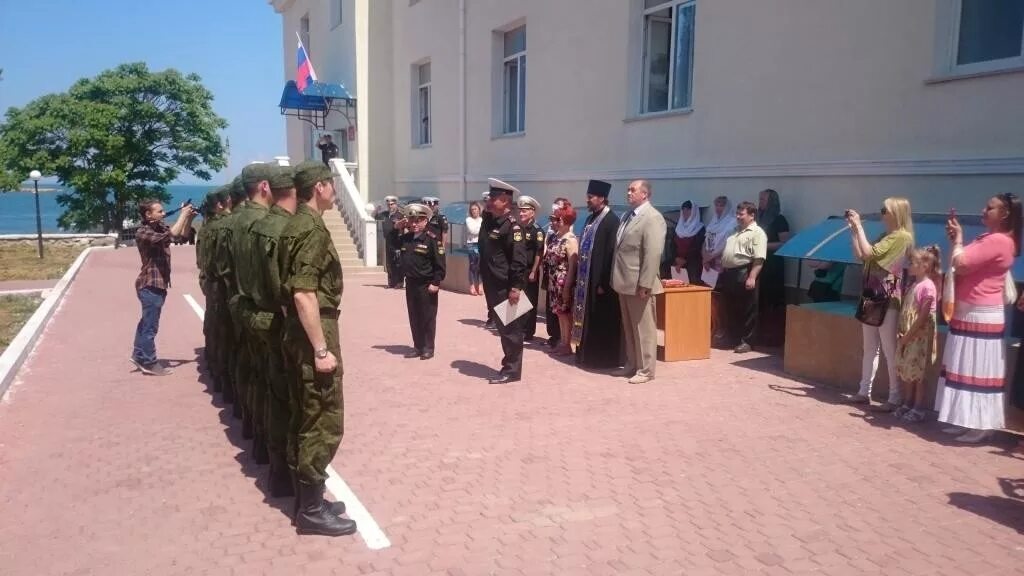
point(833, 103)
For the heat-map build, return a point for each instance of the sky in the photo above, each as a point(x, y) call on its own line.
point(234, 45)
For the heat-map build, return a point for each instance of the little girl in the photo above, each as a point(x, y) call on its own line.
point(917, 347)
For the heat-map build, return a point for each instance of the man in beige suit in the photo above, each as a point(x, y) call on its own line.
point(639, 244)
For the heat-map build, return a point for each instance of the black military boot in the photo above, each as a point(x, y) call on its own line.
point(313, 517)
point(336, 508)
point(259, 449)
point(280, 479)
point(247, 431)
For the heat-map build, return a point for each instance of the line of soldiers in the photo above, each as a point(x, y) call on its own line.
point(273, 284)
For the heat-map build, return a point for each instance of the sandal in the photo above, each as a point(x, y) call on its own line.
point(901, 411)
point(913, 417)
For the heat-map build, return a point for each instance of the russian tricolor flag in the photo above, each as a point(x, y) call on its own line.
point(305, 76)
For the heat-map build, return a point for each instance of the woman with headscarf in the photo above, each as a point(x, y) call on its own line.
point(688, 241)
point(723, 222)
point(772, 302)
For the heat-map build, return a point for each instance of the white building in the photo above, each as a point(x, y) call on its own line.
point(833, 103)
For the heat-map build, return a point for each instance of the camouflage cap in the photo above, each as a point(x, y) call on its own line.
point(237, 190)
point(309, 173)
point(283, 177)
point(255, 173)
point(222, 194)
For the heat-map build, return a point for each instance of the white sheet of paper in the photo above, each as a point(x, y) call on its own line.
point(709, 277)
point(681, 274)
point(508, 312)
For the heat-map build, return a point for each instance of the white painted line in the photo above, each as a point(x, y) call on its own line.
point(369, 530)
point(195, 306)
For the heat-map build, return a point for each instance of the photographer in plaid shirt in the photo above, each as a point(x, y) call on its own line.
point(153, 239)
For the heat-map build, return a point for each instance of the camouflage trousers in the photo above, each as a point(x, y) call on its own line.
point(220, 338)
point(270, 389)
point(317, 403)
point(242, 367)
point(210, 331)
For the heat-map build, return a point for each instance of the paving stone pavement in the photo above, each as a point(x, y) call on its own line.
point(722, 466)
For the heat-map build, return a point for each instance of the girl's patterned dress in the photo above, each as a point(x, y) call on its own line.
point(916, 353)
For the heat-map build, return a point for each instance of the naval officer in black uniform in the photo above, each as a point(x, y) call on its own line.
point(423, 265)
point(534, 236)
point(504, 267)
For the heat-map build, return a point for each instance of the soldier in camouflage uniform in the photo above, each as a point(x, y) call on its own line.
point(216, 206)
point(312, 282)
point(272, 384)
point(218, 308)
point(235, 254)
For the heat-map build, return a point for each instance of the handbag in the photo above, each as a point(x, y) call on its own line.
point(1009, 289)
point(873, 305)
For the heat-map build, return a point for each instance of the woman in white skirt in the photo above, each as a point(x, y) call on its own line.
point(970, 393)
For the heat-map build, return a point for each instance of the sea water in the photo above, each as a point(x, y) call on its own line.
point(18, 209)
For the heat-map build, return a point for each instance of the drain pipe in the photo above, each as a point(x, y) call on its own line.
point(462, 98)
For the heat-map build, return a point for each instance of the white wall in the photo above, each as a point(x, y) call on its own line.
point(825, 100)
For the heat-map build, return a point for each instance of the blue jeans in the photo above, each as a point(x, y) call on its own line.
point(474, 263)
point(152, 300)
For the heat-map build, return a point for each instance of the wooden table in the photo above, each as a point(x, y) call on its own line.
point(684, 323)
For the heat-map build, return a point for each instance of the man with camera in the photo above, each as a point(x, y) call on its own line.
point(153, 239)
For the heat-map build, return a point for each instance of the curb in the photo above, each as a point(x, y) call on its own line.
point(23, 344)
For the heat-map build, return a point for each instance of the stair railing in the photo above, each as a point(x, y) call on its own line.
point(361, 225)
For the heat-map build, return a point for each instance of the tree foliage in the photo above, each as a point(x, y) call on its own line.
point(114, 140)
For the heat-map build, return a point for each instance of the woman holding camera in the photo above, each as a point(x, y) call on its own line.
point(970, 396)
point(884, 262)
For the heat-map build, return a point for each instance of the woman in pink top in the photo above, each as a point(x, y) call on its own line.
point(970, 394)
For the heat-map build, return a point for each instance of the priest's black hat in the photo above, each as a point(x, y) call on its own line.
point(598, 188)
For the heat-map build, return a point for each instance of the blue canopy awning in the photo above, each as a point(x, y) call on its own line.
point(317, 97)
point(829, 241)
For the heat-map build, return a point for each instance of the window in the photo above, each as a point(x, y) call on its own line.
point(423, 136)
point(304, 33)
point(988, 35)
point(667, 55)
point(336, 13)
point(514, 82)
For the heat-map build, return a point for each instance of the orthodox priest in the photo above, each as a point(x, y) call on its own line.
point(596, 324)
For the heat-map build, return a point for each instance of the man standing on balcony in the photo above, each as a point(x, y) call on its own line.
point(153, 240)
point(328, 149)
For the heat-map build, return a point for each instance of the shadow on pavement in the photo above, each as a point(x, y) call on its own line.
point(233, 433)
point(1007, 511)
point(396, 349)
point(472, 322)
point(473, 369)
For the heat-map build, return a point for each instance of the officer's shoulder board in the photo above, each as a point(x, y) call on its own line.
point(431, 234)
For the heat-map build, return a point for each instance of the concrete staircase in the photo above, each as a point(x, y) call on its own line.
point(351, 263)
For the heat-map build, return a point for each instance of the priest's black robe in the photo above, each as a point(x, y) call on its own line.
point(601, 342)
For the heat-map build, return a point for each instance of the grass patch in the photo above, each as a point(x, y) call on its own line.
point(21, 262)
point(15, 310)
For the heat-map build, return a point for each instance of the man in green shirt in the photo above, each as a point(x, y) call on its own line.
point(240, 276)
point(312, 283)
point(271, 383)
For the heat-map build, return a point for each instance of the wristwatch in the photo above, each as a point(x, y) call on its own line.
point(321, 353)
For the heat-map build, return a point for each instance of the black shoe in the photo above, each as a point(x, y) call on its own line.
point(427, 355)
point(552, 342)
point(259, 450)
point(413, 354)
point(314, 518)
point(528, 338)
point(279, 482)
point(336, 508)
point(505, 378)
point(743, 348)
point(489, 324)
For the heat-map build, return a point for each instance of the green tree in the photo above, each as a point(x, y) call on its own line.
point(114, 140)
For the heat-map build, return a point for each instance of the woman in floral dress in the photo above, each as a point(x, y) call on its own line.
point(560, 263)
